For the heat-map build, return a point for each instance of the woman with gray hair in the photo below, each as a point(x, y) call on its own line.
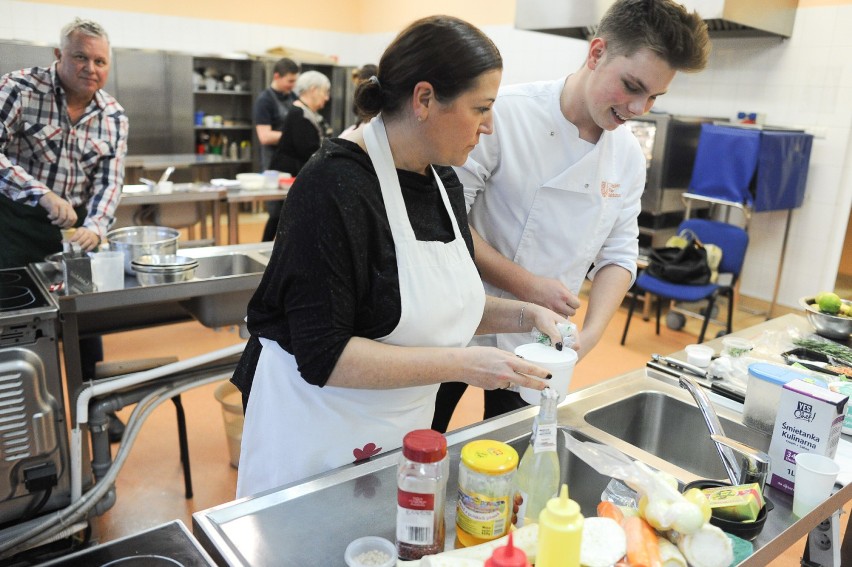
point(302, 132)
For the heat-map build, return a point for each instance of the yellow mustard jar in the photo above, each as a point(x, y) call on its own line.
point(486, 491)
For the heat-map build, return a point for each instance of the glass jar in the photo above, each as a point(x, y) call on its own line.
point(421, 494)
point(486, 494)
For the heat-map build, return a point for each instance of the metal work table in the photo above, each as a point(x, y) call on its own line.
point(162, 161)
point(311, 522)
point(235, 198)
point(134, 307)
point(204, 195)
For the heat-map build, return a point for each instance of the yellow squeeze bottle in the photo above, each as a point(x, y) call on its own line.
point(560, 530)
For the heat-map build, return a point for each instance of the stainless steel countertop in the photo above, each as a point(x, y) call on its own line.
point(135, 296)
point(311, 522)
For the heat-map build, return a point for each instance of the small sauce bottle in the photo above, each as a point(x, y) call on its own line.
point(421, 494)
point(486, 491)
point(508, 556)
point(560, 530)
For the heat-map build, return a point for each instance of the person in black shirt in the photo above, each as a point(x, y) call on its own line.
point(270, 110)
point(371, 294)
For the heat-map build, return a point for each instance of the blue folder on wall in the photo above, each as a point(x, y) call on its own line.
point(765, 169)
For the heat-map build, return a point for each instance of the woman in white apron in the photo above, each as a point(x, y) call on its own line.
point(371, 293)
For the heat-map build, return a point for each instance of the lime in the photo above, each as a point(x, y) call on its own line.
point(829, 303)
point(820, 295)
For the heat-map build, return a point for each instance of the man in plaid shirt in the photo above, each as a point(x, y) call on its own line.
point(62, 146)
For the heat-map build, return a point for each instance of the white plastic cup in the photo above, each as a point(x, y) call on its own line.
point(815, 476)
point(699, 355)
point(108, 270)
point(560, 363)
point(271, 178)
point(165, 187)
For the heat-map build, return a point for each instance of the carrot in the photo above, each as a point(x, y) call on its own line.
point(610, 510)
point(642, 547)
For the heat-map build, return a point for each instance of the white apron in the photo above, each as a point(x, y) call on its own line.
point(294, 429)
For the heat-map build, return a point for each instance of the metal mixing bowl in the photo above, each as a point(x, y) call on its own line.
point(136, 241)
point(830, 326)
point(156, 269)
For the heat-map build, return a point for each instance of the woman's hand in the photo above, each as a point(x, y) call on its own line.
point(493, 369)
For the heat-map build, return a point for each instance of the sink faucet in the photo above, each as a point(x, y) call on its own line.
point(756, 462)
point(713, 424)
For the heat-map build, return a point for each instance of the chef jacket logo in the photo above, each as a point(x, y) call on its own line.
point(804, 412)
point(610, 190)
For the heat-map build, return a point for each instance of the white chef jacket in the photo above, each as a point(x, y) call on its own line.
point(548, 200)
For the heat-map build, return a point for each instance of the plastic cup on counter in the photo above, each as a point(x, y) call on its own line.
point(560, 363)
point(271, 179)
point(699, 355)
point(108, 270)
point(815, 476)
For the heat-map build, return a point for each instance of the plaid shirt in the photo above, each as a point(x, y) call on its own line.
point(40, 150)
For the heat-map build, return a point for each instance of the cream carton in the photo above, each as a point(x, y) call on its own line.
point(809, 420)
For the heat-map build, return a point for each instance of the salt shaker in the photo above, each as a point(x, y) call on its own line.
point(421, 494)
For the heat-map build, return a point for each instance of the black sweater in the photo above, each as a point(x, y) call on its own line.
point(333, 274)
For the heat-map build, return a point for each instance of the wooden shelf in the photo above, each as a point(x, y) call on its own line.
point(241, 127)
point(229, 93)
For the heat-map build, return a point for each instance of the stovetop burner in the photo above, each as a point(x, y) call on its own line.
point(19, 292)
point(7, 277)
point(15, 297)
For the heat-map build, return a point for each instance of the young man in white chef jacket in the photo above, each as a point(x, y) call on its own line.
point(554, 193)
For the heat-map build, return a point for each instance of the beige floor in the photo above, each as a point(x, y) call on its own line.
point(150, 486)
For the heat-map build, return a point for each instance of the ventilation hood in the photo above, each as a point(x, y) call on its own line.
point(725, 18)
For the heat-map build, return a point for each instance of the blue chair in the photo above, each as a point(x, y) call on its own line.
point(733, 241)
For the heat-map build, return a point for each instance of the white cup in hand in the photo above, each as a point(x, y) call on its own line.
point(560, 364)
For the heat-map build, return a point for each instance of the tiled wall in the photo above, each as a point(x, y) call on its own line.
point(805, 81)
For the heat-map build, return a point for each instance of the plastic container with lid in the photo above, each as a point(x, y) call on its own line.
point(763, 393)
point(421, 494)
point(486, 491)
point(845, 388)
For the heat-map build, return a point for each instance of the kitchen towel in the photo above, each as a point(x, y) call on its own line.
point(725, 163)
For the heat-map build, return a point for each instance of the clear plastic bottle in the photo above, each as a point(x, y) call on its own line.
point(560, 531)
point(537, 478)
point(421, 494)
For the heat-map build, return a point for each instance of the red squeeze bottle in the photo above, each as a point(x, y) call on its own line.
point(508, 556)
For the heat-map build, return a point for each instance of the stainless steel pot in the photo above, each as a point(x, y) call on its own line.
point(155, 269)
point(136, 241)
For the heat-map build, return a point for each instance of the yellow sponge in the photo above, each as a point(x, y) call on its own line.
point(739, 503)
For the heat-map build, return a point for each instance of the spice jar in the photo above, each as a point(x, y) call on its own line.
point(486, 494)
point(421, 494)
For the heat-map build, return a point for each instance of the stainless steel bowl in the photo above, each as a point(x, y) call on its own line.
point(156, 269)
point(830, 326)
point(56, 261)
point(136, 241)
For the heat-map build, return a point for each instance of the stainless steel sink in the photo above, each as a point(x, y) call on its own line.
point(225, 265)
point(238, 270)
point(670, 429)
point(585, 484)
